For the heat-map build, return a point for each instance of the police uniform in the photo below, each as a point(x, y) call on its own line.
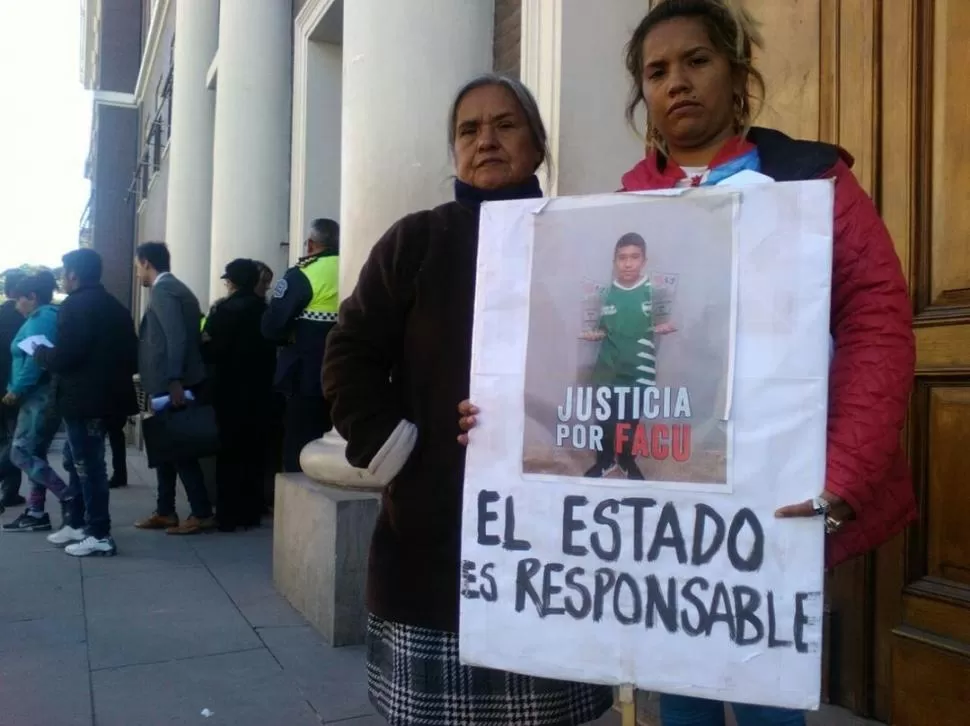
point(302, 310)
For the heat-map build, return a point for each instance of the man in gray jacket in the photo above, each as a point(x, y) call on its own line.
point(170, 364)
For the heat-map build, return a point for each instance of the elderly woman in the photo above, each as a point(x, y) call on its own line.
point(397, 364)
point(690, 63)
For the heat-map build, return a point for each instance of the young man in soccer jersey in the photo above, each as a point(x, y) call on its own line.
point(627, 354)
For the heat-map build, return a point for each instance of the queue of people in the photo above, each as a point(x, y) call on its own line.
point(71, 368)
point(256, 362)
point(397, 363)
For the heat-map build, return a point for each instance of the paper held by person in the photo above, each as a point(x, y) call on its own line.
point(30, 344)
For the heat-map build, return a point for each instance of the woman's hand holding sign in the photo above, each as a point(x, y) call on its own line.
point(466, 421)
point(835, 510)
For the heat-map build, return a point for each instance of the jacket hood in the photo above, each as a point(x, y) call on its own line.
point(44, 315)
point(782, 158)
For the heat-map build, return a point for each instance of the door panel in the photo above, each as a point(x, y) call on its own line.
point(948, 540)
point(887, 80)
point(926, 175)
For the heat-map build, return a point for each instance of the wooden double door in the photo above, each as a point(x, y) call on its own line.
point(889, 80)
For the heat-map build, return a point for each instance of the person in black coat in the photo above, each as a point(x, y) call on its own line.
point(93, 363)
point(10, 322)
point(242, 364)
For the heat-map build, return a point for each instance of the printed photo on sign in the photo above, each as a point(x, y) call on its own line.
point(630, 345)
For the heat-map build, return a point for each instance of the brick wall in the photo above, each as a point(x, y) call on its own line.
point(508, 25)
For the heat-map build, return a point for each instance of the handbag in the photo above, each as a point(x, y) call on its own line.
point(175, 434)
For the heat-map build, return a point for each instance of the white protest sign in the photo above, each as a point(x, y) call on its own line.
point(620, 488)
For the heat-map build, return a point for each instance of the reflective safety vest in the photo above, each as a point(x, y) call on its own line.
point(324, 276)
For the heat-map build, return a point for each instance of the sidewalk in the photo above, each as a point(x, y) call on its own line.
point(169, 627)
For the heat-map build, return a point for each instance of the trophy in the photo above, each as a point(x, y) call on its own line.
point(664, 288)
point(591, 305)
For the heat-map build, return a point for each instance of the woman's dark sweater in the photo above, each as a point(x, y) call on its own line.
point(402, 350)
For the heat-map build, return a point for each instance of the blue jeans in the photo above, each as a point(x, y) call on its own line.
point(37, 425)
point(687, 711)
point(84, 462)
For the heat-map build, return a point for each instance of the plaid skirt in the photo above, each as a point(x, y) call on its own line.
point(415, 679)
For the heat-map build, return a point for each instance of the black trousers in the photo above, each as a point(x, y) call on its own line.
point(307, 418)
point(189, 471)
point(609, 455)
point(10, 475)
point(240, 470)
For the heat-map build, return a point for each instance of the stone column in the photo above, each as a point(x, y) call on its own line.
point(251, 159)
point(188, 213)
point(403, 61)
point(572, 60)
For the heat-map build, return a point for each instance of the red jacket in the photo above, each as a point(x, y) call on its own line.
point(872, 370)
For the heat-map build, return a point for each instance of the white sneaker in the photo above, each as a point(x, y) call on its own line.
point(65, 536)
point(91, 546)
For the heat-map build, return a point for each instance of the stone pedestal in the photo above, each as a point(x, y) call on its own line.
point(321, 538)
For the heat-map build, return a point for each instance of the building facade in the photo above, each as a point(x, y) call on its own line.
point(110, 54)
point(256, 117)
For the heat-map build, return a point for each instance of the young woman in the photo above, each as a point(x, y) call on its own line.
point(690, 64)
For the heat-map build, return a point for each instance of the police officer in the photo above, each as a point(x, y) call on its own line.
point(301, 312)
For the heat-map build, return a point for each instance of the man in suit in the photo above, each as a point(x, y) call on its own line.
point(10, 322)
point(170, 364)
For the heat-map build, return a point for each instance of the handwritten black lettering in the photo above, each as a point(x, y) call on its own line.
point(639, 505)
point(485, 515)
point(668, 534)
point(611, 553)
point(752, 562)
point(511, 542)
point(773, 640)
point(703, 514)
point(571, 525)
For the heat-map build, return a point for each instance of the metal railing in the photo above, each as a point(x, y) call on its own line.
point(86, 225)
point(158, 131)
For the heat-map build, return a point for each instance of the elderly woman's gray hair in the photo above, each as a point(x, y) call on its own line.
point(525, 99)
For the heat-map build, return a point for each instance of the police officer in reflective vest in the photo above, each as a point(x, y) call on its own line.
point(302, 310)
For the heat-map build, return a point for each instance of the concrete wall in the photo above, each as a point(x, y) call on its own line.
point(121, 40)
point(114, 211)
point(115, 145)
point(508, 30)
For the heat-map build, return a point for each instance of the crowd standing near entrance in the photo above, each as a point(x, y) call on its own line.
point(74, 367)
